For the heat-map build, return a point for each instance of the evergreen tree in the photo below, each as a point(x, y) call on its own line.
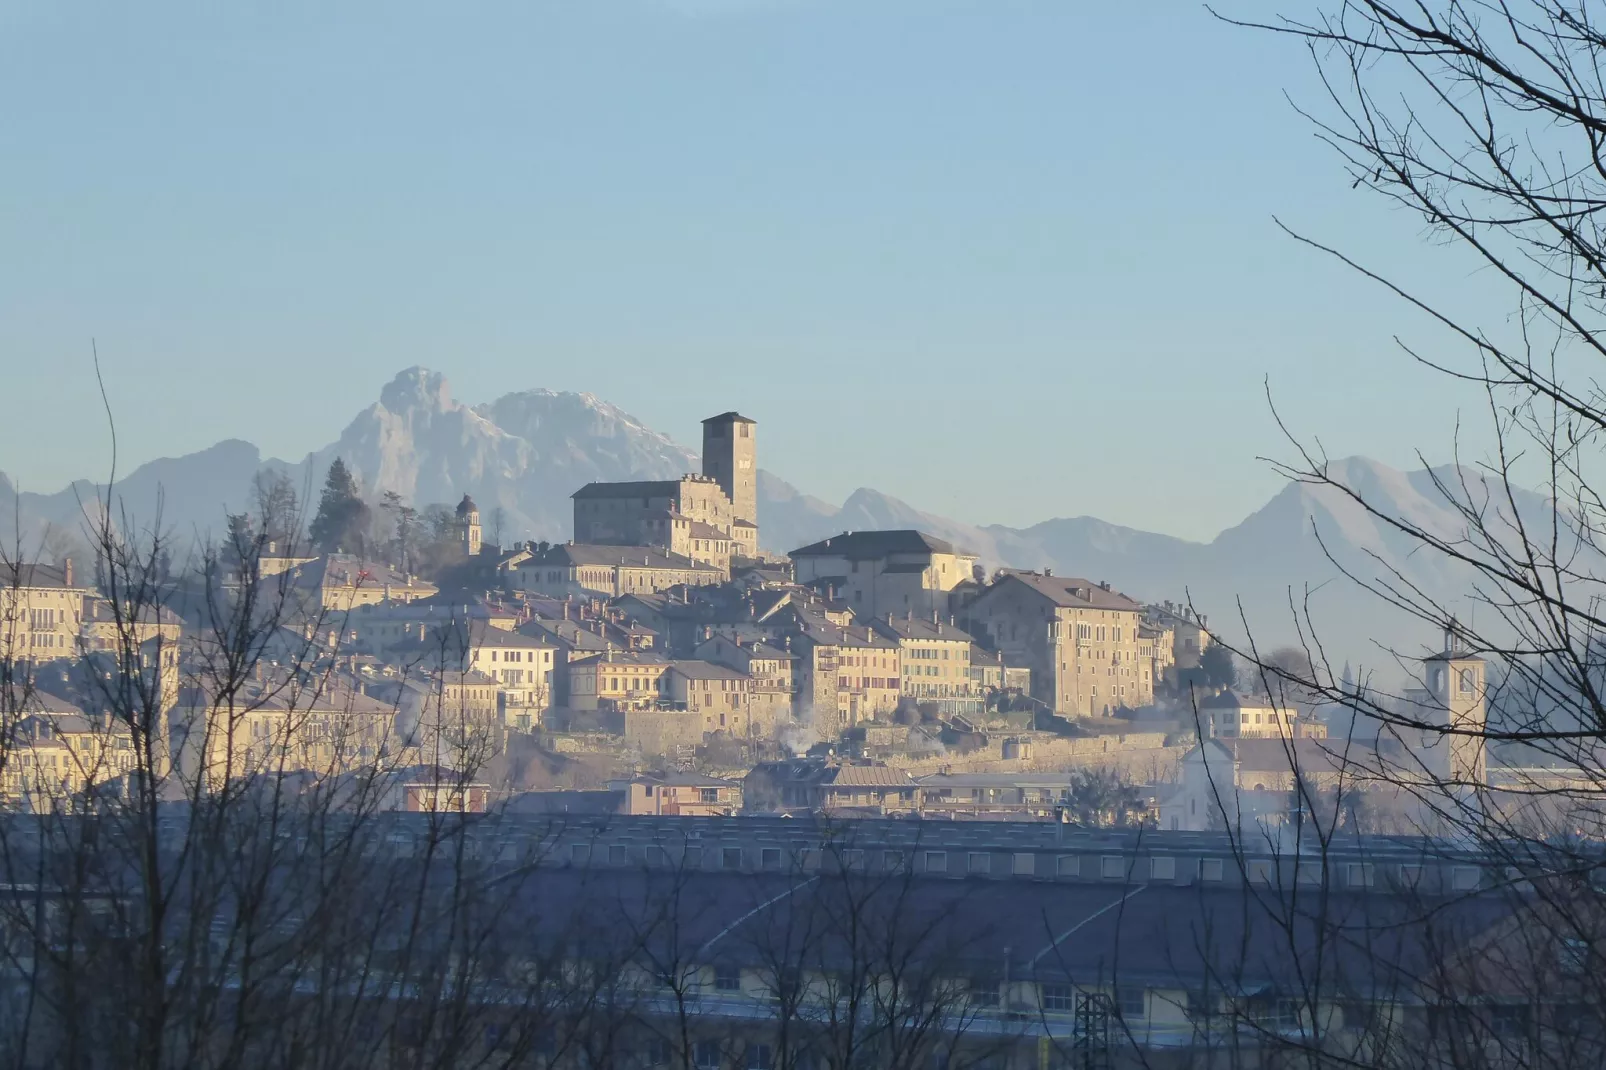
point(341, 525)
point(1217, 665)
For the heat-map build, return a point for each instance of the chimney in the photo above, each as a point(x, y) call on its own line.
point(1048, 572)
point(66, 572)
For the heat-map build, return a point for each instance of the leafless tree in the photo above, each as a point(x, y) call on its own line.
point(1485, 121)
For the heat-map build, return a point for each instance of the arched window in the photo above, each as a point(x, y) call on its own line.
point(1468, 681)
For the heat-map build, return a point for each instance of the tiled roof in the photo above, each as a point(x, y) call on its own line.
point(909, 627)
point(868, 776)
point(649, 488)
point(706, 670)
point(576, 554)
point(1072, 591)
point(862, 545)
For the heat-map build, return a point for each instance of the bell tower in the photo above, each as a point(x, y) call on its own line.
point(1456, 694)
point(468, 523)
point(730, 456)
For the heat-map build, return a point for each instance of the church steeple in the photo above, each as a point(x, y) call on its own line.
point(468, 523)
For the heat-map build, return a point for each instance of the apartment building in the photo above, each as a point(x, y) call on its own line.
point(41, 610)
point(618, 679)
point(935, 659)
point(720, 694)
point(882, 572)
point(772, 670)
point(1080, 640)
point(678, 795)
point(283, 726)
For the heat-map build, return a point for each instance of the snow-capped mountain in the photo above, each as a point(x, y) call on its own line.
point(526, 452)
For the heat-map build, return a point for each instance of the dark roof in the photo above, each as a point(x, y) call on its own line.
point(861, 545)
point(1453, 655)
point(732, 416)
point(700, 530)
point(908, 627)
point(581, 554)
point(620, 657)
point(648, 488)
point(707, 670)
point(1072, 591)
point(36, 574)
point(1233, 700)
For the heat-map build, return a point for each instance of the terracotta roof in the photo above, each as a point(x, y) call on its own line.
point(868, 776)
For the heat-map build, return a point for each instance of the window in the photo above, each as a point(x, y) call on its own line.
point(1024, 865)
point(1112, 867)
point(705, 1055)
point(1358, 875)
point(936, 861)
point(1132, 1002)
point(892, 860)
point(656, 1052)
point(694, 858)
point(579, 854)
point(1410, 876)
point(1308, 873)
point(709, 795)
point(983, 992)
point(617, 855)
point(760, 1056)
point(727, 979)
point(1163, 868)
point(770, 858)
point(1059, 998)
point(731, 858)
point(1468, 681)
point(1068, 866)
point(979, 862)
point(1259, 871)
point(1210, 869)
point(1464, 878)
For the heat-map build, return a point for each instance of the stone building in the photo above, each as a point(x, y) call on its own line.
point(720, 694)
point(935, 657)
point(689, 516)
point(41, 611)
point(618, 679)
point(730, 456)
point(1231, 715)
point(882, 572)
point(1080, 640)
point(609, 571)
point(772, 670)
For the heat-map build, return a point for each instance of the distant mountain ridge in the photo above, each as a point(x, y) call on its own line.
point(525, 453)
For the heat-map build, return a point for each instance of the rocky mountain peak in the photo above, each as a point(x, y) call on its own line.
point(417, 388)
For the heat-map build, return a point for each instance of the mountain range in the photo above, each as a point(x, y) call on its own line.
point(522, 455)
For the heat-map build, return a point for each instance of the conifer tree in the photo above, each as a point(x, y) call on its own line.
point(342, 521)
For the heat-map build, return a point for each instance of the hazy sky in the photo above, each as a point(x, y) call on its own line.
point(1006, 260)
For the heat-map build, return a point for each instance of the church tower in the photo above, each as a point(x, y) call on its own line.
point(1455, 686)
point(730, 456)
point(468, 523)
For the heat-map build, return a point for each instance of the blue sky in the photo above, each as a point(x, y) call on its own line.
point(1006, 260)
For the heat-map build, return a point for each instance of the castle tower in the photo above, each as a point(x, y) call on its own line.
point(1455, 685)
point(468, 522)
point(730, 456)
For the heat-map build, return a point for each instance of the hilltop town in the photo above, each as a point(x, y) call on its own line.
point(660, 662)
